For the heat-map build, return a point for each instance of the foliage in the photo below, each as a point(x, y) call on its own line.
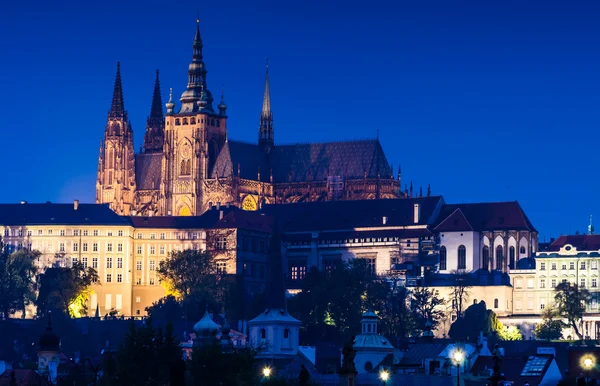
point(551, 326)
point(477, 318)
point(426, 305)
point(460, 291)
point(508, 332)
point(570, 303)
point(340, 295)
point(66, 289)
point(189, 272)
point(147, 356)
point(210, 366)
point(17, 280)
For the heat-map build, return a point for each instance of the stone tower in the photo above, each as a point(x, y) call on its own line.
point(116, 176)
point(266, 138)
point(193, 139)
point(155, 124)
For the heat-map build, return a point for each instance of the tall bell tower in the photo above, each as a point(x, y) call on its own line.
point(115, 184)
point(193, 139)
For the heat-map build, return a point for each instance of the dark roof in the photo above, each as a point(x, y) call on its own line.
point(517, 369)
point(59, 214)
point(314, 161)
point(350, 214)
point(485, 216)
point(417, 352)
point(580, 242)
point(351, 234)
point(208, 219)
point(147, 171)
point(241, 219)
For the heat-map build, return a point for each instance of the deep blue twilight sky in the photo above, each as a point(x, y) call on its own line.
point(484, 100)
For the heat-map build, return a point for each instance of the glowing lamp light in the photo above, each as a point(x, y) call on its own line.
point(588, 363)
point(384, 375)
point(266, 372)
point(458, 356)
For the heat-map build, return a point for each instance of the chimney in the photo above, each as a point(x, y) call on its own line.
point(75, 204)
point(220, 214)
point(384, 220)
point(168, 213)
point(218, 205)
point(417, 213)
point(227, 205)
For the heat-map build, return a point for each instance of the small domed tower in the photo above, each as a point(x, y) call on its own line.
point(206, 330)
point(49, 352)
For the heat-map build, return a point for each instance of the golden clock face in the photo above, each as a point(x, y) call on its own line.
point(186, 151)
point(249, 203)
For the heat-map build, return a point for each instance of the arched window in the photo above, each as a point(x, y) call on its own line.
point(286, 333)
point(499, 258)
point(522, 250)
point(188, 167)
point(182, 168)
point(443, 258)
point(495, 303)
point(111, 158)
point(177, 122)
point(263, 333)
point(462, 257)
point(511, 257)
point(185, 121)
point(486, 257)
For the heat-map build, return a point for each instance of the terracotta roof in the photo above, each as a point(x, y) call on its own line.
point(351, 214)
point(484, 216)
point(23, 377)
point(59, 214)
point(314, 161)
point(580, 242)
point(147, 171)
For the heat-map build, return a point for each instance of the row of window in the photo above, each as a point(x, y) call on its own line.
point(593, 264)
point(61, 232)
point(553, 282)
point(593, 304)
point(178, 236)
point(462, 258)
point(192, 121)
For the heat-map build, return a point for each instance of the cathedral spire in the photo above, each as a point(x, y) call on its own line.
point(153, 139)
point(117, 109)
point(265, 131)
point(196, 95)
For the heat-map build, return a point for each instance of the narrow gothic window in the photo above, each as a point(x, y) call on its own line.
point(495, 303)
point(511, 257)
point(443, 258)
point(522, 250)
point(499, 258)
point(462, 257)
point(486, 258)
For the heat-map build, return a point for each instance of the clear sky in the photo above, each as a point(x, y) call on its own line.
point(484, 100)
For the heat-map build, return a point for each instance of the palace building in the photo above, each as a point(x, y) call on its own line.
point(188, 164)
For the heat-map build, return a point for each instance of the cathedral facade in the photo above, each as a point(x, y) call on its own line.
point(188, 164)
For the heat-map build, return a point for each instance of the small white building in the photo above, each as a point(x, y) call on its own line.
point(371, 348)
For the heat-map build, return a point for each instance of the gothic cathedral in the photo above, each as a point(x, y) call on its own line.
point(188, 164)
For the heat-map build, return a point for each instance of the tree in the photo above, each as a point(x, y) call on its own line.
point(477, 318)
point(66, 288)
point(210, 366)
point(427, 305)
point(396, 317)
point(17, 280)
point(570, 303)
point(188, 273)
point(551, 326)
point(460, 291)
point(147, 356)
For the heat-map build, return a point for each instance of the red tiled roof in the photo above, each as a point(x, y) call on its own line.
point(23, 377)
point(485, 216)
point(580, 242)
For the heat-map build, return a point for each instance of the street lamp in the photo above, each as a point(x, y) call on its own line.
point(458, 357)
point(384, 376)
point(266, 372)
point(588, 363)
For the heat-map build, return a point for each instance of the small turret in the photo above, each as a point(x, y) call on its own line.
point(222, 106)
point(266, 137)
point(170, 105)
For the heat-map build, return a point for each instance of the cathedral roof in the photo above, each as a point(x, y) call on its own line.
point(147, 171)
point(311, 161)
point(59, 214)
point(483, 216)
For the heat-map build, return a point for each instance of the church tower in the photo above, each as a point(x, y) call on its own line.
point(193, 139)
point(116, 177)
point(155, 124)
point(266, 138)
